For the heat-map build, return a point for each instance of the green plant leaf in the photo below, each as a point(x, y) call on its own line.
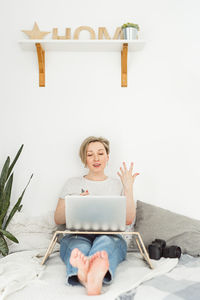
point(130, 25)
point(3, 178)
point(9, 235)
point(15, 160)
point(17, 205)
point(3, 246)
point(6, 199)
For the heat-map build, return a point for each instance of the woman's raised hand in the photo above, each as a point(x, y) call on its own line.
point(126, 176)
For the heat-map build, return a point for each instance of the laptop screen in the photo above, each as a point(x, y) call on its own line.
point(95, 213)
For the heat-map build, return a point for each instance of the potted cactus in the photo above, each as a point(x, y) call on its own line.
point(6, 180)
point(130, 31)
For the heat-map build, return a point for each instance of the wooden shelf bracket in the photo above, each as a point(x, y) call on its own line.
point(74, 45)
point(124, 53)
point(41, 63)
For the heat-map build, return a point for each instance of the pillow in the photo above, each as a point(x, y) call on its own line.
point(32, 232)
point(155, 222)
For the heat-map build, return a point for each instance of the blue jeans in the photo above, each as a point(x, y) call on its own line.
point(88, 244)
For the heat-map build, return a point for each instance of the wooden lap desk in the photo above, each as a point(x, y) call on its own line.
point(138, 239)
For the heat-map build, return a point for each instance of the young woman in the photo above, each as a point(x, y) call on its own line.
point(92, 259)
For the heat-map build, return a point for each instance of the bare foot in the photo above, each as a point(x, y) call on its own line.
point(80, 261)
point(99, 265)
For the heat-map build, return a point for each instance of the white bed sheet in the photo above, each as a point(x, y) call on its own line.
point(22, 277)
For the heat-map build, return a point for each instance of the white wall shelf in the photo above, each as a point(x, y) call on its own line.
point(82, 46)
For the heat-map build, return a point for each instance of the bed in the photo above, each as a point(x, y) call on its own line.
point(22, 275)
point(182, 282)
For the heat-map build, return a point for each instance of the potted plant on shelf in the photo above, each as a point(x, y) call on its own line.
point(6, 180)
point(130, 31)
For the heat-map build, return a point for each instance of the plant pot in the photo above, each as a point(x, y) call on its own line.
point(130, 33)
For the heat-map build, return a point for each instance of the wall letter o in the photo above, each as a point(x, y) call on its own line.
point(79, 29)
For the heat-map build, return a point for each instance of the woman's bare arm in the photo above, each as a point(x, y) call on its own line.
point(127, 180)
point(59, 215)
point(130, 207)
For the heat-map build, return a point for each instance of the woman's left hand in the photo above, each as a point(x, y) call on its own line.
point(126, 176)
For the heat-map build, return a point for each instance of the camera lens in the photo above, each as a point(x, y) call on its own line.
point(172, 252)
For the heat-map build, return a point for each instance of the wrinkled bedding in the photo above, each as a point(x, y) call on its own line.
point(23, 277)
point(183, 282)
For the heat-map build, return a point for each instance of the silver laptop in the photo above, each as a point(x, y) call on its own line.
point(95, 213)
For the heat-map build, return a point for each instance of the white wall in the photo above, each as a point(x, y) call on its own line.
point(154, 122)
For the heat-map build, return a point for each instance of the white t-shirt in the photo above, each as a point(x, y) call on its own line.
point(109, 186)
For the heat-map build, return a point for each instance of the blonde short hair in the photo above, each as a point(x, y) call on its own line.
point(87, 141)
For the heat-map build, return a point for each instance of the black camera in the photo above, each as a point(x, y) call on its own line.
point(158, 249)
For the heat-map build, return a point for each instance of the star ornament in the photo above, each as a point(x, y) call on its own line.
point(35, 33)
